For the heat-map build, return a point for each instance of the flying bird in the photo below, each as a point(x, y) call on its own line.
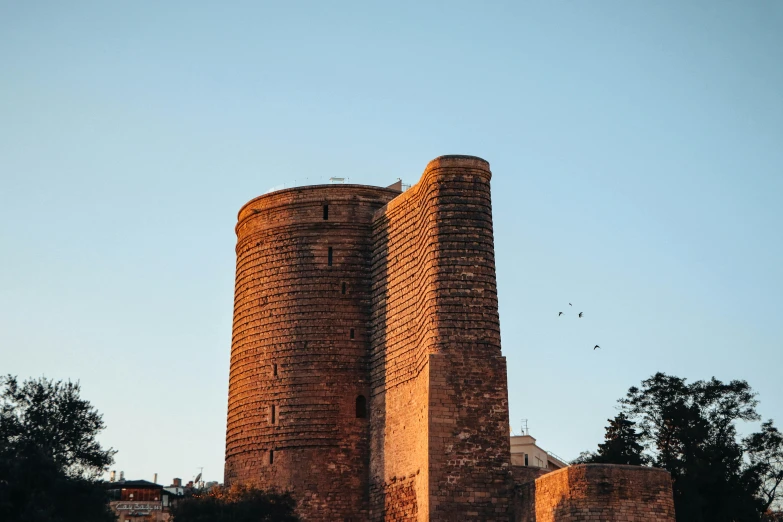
point(561, 313)
point(596, 346)
point(569, 304)
point(580, 314)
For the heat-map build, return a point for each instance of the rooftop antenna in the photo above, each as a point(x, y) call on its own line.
point(524, 427)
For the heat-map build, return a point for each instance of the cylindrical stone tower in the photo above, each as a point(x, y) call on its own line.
point(299, 381)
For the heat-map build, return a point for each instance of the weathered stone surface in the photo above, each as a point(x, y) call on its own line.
point(600, 492)
point(292, 347)
point(439, 399)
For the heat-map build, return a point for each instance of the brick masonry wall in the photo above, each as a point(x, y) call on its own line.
point(292, 347)
point(402, 335)
point(469, 439)
point(600, 492)
point(439, 397)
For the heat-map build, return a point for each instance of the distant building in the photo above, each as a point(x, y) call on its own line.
point(140, 501)
point(525, 452)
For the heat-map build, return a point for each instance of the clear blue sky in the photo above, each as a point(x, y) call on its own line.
point(637, 152)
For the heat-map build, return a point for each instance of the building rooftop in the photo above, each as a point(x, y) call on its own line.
point(139, 484)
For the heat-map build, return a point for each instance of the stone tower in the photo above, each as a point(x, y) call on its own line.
point(366, 372)
point(300, 349)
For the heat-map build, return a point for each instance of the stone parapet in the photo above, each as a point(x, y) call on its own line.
point(600, 492)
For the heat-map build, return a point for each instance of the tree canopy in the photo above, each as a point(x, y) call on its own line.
point(690, 429)
point(49, 455)
point(765, 453)
point(238, 503)
point(621, 446)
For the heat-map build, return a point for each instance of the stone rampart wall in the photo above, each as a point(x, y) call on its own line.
point(600, 492)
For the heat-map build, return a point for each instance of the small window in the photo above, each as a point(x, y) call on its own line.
point(326, 211)
point(274, 370)
point(353, 333)
point(271, 456)
point(343, 289)
point(525, 459)
point(330, 256)
point(361, 407)
point(273, 414)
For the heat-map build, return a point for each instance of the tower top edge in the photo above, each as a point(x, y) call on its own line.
point(347, 189)
point(458, 160)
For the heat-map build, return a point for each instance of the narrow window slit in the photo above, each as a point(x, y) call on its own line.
point(361, 407)
point(273, 414)
point(352, 333)
point(274, 370)
point(271, 456)
point(326, 211)
point(330, 256)
point(343, 288)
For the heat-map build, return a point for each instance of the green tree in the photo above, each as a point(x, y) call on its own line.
point(765, 453)
point(238, 503)
point(690, 429)
point(621, 445)
point(49, 456)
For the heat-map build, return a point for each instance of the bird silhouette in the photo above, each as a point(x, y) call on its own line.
point(580, 314)
point(569, 304)
point(561, 313)
point(596, 346)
